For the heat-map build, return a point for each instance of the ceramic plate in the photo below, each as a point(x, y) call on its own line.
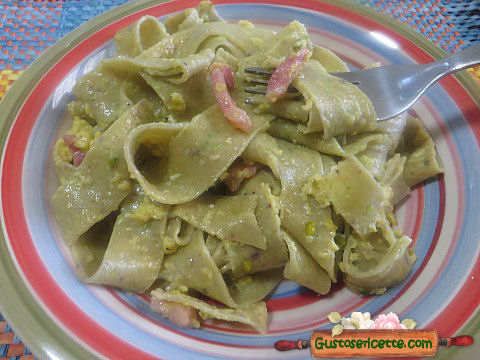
point(59, 317)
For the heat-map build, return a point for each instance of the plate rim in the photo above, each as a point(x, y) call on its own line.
point(18, 305)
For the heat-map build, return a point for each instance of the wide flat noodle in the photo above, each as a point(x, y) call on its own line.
point(96, 189)
point(354, 194)
point(245, 259)
point(374, 148)
point(394, 127)
point(371, 264)
point(134, 254)
point(88, 251)
point(216, 249)
point(418, 146)
point(337, 106)
point(300, 210)
point(226, 217)
point(193, 267)
point(263, 149)
point(251, 289)
point(254, 315)
point(194, 159)
point(175, 70)
point(287, 130)
point(186, 100)
point(102, 96)
point(394, 179)
point(205, 12)
point(140, 36)
point(374, 156)
point(218, 44)
point(164, 49)
point(302, 269)
point(294, 165)
point(182, 21)
point(63, 170)
point(328, 163)
point(241, 39)
point(328, 59)
point(294, 110)
point(177, 233)
point(136, 89)
point(356, 144)
point(280, 46)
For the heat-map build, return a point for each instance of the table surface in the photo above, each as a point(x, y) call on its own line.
point(29, 27)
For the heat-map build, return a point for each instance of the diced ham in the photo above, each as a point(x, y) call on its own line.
point(222, 79)
point(70, 142)
point(227, 75)
point(181, 315)
point(78, 157)
point(239, 172)
point(284, 74)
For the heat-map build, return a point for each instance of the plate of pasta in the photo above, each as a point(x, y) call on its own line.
point(153, 208)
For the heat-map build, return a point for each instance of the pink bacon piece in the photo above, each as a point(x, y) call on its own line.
point(284, 74)
point(181, 315)
point(239, 172)
point(78, 155)
point(221, 78)
point(227, 75)
point(70, 142)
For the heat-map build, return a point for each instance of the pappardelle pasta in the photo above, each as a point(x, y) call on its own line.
point(175, 182)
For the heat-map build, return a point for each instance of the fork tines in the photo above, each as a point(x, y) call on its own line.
point(261, 83)
point(258, 71)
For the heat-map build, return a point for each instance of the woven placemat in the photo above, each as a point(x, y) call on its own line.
point(29, 27)
point(11, 346)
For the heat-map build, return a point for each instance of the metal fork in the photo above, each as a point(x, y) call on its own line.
point(392, 88)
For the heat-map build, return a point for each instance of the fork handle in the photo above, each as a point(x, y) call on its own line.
point(461, 60)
